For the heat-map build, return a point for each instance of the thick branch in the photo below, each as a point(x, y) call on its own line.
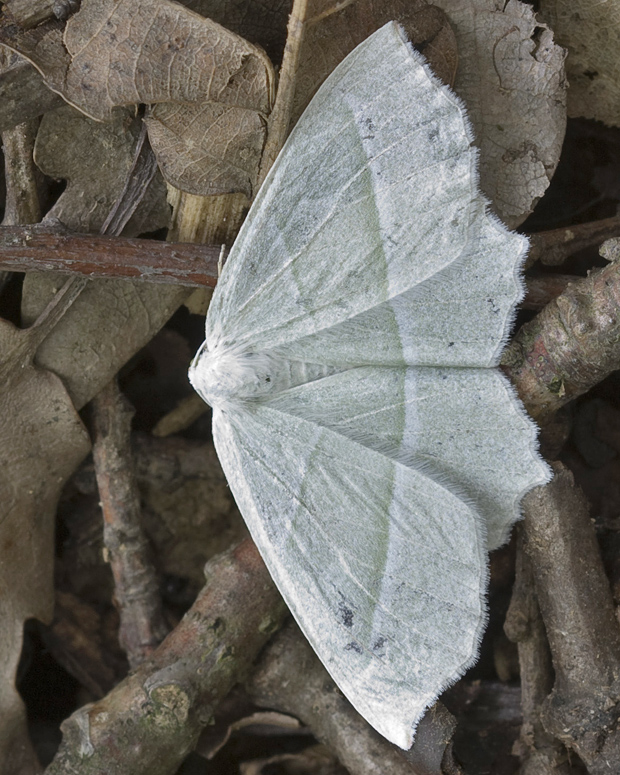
point(577, 608)
point(572, 345)
point(152, 720)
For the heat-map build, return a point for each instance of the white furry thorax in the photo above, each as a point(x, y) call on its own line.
point(226, 375)
point(223, 375)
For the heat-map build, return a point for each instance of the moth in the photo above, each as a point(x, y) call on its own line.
point(374, 449)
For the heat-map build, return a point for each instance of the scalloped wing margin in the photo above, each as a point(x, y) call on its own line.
point(375, 192)
point(380, 565)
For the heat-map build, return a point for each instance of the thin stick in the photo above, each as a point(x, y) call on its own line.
point(136, 589)
point(36, 249)
point(281, 114)
point(553, 247)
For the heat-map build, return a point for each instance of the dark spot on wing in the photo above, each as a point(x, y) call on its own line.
point(370, 129)
point(378, 645)
point(495, 308)
point(354, 646)
point(346, 614)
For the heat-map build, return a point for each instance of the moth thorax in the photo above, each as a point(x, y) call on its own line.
point(222, 375)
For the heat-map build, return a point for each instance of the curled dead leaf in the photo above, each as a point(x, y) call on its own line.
point(511, 77)
point(116, 53)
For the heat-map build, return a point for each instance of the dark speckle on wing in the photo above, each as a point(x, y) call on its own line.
point(378, 645)
point(346, 614)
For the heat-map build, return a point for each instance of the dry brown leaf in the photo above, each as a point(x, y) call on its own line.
point(329, 40)
point(23, 95)
point(109, 322)
point(122, 52)
point(259, 21)
point(511, 77)
point(117, 53)
point(206, 148)
point(43, 440)
point(112, 319)
point(95, 159)
point(591, 33)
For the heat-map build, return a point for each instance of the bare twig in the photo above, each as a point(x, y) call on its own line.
point(291, 679)
point(136, 589)
point(553, 247)
point(45, 248)
point(38, 249)
point(570, 346)
point(150, 721)
point(338, 6)
point(182, 416)
point(575, 601)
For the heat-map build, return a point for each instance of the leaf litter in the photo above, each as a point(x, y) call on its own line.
point(207, 120)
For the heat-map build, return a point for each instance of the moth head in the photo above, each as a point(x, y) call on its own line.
point(224, 374)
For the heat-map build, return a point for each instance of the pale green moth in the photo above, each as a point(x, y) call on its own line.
point(372, 447)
